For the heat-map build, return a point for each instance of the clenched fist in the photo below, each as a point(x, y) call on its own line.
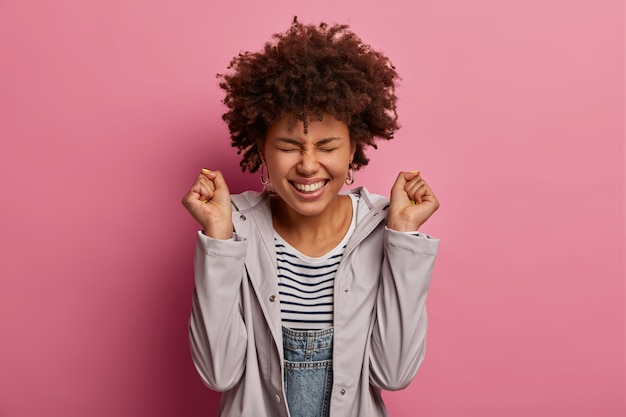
point(208, 201)
point(411, 202)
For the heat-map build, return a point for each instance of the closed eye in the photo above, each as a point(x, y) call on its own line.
point(288, 149)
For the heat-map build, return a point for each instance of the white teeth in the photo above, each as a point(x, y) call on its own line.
point(308, 188)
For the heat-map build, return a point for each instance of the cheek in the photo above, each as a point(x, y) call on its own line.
point(340, 163)
point(279, 165)
point(336, 167)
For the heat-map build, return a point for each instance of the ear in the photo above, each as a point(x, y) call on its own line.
point(352, 151)
point(261, 149)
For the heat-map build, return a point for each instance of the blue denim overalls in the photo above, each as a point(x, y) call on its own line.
point(308, 371)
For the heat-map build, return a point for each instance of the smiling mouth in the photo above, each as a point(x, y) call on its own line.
point(309, 188)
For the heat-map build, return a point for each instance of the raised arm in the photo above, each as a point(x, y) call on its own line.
point(216, 328)
point(399, 334)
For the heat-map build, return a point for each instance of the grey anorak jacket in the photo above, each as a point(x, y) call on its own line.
point(379, 313)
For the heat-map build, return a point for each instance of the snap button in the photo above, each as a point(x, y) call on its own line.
point(346, 290)
point(242, 218)
point(342, 391)
point(272, 298)
point(277, 397)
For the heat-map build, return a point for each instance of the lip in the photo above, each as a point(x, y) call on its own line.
point(309, 195)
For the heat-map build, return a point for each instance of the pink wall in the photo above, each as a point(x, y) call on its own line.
point(513, 110)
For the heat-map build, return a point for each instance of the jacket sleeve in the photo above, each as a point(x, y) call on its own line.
point(216, 328)
point(399, 333)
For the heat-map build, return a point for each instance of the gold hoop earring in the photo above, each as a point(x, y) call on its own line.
point(350, 177)
point(264, 179)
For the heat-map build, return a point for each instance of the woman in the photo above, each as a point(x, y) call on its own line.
point(309, 301)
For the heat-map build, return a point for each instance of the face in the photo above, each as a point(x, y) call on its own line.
point(307, 170)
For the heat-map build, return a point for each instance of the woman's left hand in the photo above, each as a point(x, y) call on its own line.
point(411, 202)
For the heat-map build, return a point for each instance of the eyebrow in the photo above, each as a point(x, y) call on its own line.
point(295, 142)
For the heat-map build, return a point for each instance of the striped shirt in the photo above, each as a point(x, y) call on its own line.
point(306, 284)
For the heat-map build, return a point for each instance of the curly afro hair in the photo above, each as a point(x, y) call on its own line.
point(307, 71)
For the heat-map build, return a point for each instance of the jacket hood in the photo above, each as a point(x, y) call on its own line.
point(253, 200)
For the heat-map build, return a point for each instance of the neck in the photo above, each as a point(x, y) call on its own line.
point(312, 234)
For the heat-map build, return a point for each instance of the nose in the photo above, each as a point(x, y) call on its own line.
point(308, 163)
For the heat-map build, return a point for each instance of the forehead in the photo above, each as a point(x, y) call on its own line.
point(314, 128)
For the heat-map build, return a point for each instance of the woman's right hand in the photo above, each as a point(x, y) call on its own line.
point(208, 201)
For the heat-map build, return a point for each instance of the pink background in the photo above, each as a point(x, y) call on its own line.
point(513, 111)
